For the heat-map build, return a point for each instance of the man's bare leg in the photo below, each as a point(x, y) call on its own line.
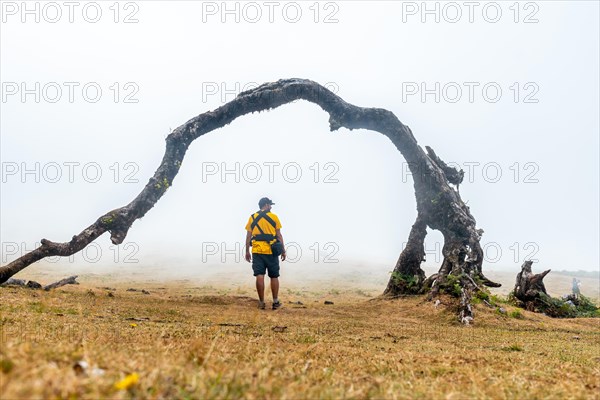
point(260, 287)
point(275, 288)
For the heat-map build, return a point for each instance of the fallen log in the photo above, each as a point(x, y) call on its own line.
point(67, 281)
point(35, 285)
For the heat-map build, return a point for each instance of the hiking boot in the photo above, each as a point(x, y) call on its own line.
point(276, 305)
point(261, 305)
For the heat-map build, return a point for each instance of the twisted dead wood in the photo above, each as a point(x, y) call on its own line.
point(529, 286)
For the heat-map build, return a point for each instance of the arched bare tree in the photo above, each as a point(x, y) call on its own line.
point(439, 204)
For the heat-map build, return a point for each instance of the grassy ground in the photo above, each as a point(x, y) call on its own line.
point(189, 342)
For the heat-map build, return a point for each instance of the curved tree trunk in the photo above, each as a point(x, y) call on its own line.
point(439, 206)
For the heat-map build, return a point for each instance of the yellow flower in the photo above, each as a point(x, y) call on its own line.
point(127, 382)
point(133, 325)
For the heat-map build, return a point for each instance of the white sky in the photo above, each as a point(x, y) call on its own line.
point(374, 55)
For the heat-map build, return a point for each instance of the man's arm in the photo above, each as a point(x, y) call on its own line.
point(248, 238)
point(280, 238)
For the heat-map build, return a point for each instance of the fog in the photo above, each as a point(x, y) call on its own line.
point(86, 107)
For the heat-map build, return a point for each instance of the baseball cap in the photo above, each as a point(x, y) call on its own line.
point(263, 201)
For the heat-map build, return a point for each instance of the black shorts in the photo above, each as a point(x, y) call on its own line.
point(262, 263)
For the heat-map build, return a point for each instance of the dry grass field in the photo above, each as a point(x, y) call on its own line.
point(181, 341)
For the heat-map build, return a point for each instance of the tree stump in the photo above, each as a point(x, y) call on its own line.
point(529, 286)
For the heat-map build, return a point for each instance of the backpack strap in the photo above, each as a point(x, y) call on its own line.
point(270, 220)
point(262, 214)
point(262, 237)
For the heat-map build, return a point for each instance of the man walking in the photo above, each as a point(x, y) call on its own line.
point(262, 230)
